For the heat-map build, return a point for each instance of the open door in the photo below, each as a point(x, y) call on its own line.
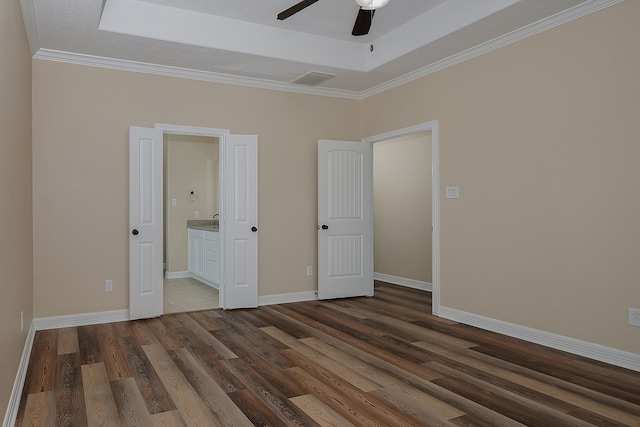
point(145, 222)
point(240, 216)
point(345, 219)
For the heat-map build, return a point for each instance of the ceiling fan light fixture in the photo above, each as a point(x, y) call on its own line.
point(371, 4)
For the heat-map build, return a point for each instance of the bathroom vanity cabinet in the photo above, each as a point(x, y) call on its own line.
point(204, 256)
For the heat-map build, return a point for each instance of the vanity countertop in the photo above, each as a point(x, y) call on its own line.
point(203, 224)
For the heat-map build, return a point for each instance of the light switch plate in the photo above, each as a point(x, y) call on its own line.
point(452, 193)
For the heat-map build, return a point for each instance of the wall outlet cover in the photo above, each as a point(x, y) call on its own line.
point(452, 193)
point(634, 316)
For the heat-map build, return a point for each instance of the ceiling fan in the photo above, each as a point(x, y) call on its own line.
point(363, 20)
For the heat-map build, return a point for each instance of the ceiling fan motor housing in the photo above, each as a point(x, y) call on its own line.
point(371, 4)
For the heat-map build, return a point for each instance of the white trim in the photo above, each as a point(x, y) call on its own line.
point(84, 319)
point(176, 274)
point(433, 127)
point(598, 352)
point(164, 70)
point(18, 385)
point(402, 281)
point(29, 18)
point(287, 298)
point(527, 31)
point(192, 130)
point(205, 281)
point(185, 73)
point(435, 217)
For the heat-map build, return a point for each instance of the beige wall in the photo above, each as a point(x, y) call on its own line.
point(542, 138)
point(191, 166)
point(16, 272)
point(81, 123)
point(402, 207)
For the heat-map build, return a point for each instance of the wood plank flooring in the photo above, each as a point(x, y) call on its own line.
point(360, 361)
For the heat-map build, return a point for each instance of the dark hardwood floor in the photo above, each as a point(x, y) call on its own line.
point(361, 361)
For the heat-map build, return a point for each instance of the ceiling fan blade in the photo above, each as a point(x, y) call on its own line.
point(363, 22)
point(295, 9)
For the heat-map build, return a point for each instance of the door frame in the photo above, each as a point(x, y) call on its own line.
point(222, 135)
point(433, 127)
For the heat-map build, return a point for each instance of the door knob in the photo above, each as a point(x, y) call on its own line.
point(325, 227)
point(134, 232)
point(254, 229)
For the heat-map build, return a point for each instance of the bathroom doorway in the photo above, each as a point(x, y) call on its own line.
point(238, 232)
point(191, 193)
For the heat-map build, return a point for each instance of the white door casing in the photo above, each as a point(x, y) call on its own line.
point(145, 222)
point(345, 219)
point(433, 127)
point(240, 216)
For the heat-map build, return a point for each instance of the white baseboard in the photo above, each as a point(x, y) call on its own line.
point(18, 385)
point(205, 281)
point(598, 352)
point(409, 283)
point(176, 274)
point(287, 298)
point(83, 319)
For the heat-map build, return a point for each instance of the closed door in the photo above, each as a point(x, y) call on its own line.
point(345, 219)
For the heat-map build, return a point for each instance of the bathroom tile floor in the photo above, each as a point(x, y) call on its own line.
point(188, 294)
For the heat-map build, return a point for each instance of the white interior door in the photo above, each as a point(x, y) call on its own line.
point(240, 208)
point(145, 222)
point(345, 219)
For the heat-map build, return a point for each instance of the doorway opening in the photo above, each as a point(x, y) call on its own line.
point(213, 201)
point(424, 129)
point(191, 212)
point(402, 210)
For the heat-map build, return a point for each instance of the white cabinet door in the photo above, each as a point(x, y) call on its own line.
point(145, 223)
point(345, 219)
point(210, 258)
point(240, 283)
point(199, 257)
point(191, 254)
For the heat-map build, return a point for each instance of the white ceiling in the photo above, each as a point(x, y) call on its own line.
point(241, 42)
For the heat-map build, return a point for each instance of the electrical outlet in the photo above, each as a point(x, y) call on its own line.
point(309, 270)
point(108, 285)
point(634, 316)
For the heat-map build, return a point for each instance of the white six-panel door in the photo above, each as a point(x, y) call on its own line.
point(145, 222)
point(240, 222)
point(345, 219)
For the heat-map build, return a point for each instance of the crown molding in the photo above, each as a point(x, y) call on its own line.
point(30, 26)
point(169, 71)
point(507, 39)
point(185, 73)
